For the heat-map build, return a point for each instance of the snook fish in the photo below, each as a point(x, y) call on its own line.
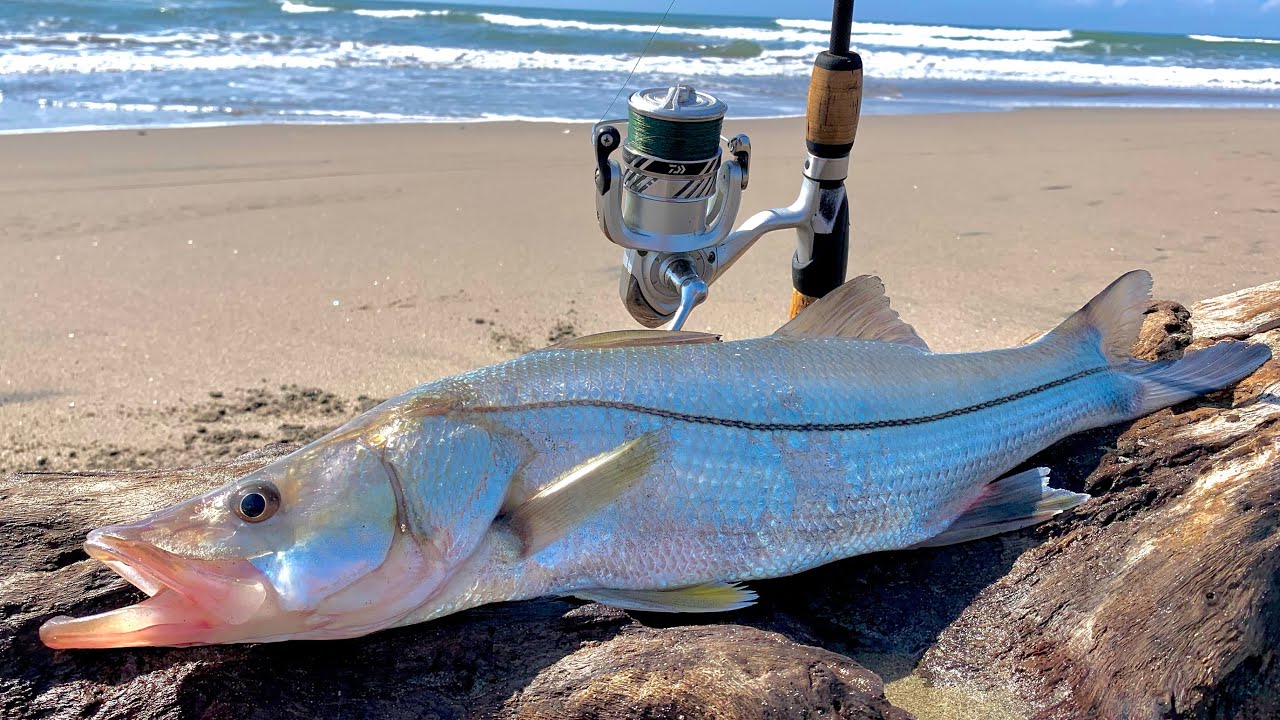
point(646, 470)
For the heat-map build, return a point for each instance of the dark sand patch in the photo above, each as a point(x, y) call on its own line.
point(220, 426)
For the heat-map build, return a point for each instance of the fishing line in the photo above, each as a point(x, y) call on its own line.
point(661, 138)
point(643, 52)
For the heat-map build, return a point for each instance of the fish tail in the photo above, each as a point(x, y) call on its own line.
point(1162, 384)
point(1109, 325)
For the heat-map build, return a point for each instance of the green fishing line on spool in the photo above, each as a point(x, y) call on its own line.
point(673, 140)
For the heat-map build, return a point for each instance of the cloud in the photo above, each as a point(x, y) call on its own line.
point(1269, 6)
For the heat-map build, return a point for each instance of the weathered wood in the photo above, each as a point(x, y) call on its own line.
point(1241, 314)
point(1158, 598)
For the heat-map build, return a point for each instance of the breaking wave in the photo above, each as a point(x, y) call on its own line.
point(1217, 39)
point(390, 13)
point(400, 60)
point(887, 65)
point(296, 8)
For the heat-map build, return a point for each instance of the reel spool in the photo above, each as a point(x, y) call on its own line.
point(672, 199)
point(670, 159)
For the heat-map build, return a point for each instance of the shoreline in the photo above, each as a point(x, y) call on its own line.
point(534, 120)
point(182, 296)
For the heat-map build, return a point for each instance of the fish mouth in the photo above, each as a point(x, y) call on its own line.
point(191, 600)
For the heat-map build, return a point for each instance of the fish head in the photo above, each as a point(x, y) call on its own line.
point(312, 545)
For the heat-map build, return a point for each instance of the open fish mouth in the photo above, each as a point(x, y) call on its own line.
point(190, 599)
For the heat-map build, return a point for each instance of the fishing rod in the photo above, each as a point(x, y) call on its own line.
point(672, 200)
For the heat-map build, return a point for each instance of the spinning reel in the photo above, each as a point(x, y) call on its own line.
point(673, 199)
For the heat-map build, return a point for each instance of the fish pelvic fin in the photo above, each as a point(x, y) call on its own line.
point(1011, 503)
point(858, 309)
point(1111, 320)
point(707, 597)
point(583, 491)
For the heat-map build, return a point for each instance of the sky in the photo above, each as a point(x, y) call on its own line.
point(1242, 18)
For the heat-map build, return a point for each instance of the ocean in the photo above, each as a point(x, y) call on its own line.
point(128, 63)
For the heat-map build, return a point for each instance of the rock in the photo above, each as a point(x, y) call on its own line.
point(1158, 598)
point(720, 671)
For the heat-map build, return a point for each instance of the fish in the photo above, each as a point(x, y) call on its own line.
point(648, 470)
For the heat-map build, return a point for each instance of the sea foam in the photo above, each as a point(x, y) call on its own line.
point(375, 61)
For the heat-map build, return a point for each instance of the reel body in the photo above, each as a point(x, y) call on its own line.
point(672, 201)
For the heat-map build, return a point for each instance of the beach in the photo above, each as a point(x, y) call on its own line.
point(176, 296)
point(179, 296)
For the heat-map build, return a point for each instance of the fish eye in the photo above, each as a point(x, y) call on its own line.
point(256, 503)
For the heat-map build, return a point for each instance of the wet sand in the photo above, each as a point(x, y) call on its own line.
point(176, 296)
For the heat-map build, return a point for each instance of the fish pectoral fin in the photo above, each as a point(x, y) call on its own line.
point(1008, 504)
point(582, 491)
point(634, 338)
point(707, 597)
point(858, 309)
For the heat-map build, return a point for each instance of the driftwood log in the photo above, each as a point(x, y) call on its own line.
point(1159, 598)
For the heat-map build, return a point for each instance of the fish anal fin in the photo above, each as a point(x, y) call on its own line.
point(634, 338)
point(582, 491)
point(858, 309)
point(707, 597)
point(1011, 503)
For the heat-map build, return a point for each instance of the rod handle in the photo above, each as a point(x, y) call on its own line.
point(835, 102)
point(799, 301)
point(829, 260)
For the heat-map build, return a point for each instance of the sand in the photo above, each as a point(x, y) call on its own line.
point(140, 271)
point(174, 296)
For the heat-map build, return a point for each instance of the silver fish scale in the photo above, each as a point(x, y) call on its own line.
point(737, 503)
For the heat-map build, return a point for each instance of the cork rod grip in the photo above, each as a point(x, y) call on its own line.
point(835, 101)
point(799, 301)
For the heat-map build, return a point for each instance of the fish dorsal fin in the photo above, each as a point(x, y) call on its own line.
point(707, 597)
point(582, 491)
point(857, 309)
point(1008, 504)
point(634, 338)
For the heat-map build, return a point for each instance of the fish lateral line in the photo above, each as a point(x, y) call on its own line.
point(782, 426)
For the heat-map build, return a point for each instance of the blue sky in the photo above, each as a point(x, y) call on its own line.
point(1249, 18)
